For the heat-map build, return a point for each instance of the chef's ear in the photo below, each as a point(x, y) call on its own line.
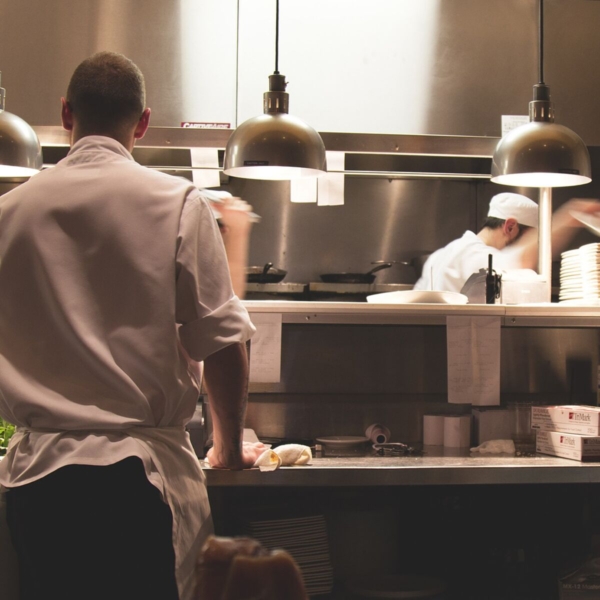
point(511, 227)
point(66, 115)
point(142, 126)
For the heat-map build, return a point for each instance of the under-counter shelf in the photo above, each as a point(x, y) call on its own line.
point(415, 470)
point(363, 313)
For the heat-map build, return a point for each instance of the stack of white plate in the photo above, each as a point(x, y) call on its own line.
point(571, 279)
point(580, 276)
point(305, 538)
point(589, 256)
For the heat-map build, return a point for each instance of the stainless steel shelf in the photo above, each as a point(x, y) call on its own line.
point(390, 156)
point(434, 471)
point(356, 143)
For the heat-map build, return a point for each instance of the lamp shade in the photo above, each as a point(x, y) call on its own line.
point(274, 146)
point(541, 154)
point(20, 150)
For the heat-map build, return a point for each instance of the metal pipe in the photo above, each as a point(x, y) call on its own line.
point(545, 238)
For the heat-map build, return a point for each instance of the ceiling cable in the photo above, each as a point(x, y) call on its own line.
point(277, 38)
point(541, 40)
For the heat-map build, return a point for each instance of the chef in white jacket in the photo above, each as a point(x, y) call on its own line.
point(509, 234)
point(112, 276)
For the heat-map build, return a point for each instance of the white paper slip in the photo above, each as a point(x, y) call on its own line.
point(336, 161)
point(303, 189)
point(204, 178)
point(473, 345)
point(331, 189)
point(204, 158)
point(205, 167)
point(332, 184)
point(510, 122)
point(265, 348)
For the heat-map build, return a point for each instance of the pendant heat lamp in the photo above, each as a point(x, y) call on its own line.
point(541, 153)
point(275, 145)
point(20, 150)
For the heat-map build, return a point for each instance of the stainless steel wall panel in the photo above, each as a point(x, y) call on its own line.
point(185, 48)
point(336, 380)
point(381, 220)
point(448, 67)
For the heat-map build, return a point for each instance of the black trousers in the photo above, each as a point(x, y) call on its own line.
point(91, 533)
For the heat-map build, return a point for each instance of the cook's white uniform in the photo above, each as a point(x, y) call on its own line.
point(448, 268)
point(101, 261)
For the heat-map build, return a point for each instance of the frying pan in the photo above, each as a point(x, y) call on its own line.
point(265, 274)
point(354, 277)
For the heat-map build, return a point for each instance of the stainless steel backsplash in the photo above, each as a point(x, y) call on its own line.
point(338, 379)
point(382, 219)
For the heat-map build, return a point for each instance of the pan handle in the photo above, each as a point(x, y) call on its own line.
point(266, 268)
point(380, 265)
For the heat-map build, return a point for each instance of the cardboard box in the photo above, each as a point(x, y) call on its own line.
point(582, 420)
point(582, 583)
point(584, 448)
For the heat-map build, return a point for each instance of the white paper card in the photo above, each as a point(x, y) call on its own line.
point(265, 348)
point(510, 122)
point(473, 360)
point(204, 158)
point(303, 189)
point(331, 189)
point(336, 161)
point(204, 178)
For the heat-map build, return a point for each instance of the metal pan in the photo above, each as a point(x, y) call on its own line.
point(354, 277)
point(265, 274)
point(343, 445)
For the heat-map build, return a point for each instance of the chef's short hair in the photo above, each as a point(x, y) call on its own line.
point(493, 222)
point(106, 92)
point(496, 223)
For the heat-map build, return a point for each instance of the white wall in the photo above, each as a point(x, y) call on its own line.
point(449, 67)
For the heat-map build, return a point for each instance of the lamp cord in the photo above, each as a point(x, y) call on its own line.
point(277, 37)
point(540, 38)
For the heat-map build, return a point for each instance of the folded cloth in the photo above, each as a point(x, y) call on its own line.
point(268, 461)
point(293, 454)
point(285, 455)
point(496, 447)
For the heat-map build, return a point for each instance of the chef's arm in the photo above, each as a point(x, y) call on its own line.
point(226, 380)
point(236, 247)
point(565, 226)
point(564, 229)
point(235, 224)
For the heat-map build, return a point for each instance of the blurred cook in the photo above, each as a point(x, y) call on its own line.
point(509, 234)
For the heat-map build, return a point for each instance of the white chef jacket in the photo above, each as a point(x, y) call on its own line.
point(448, 268)
point(108, 269)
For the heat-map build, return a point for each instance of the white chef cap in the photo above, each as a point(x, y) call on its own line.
point(507, 205)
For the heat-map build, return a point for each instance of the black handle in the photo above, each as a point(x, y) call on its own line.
point(492, 283)
point(385, 265)
point(266, 268)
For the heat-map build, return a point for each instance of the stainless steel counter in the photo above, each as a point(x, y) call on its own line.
point(359, 313)
point(425, 470)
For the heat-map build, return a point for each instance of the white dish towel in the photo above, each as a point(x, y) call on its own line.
point(285, 455)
